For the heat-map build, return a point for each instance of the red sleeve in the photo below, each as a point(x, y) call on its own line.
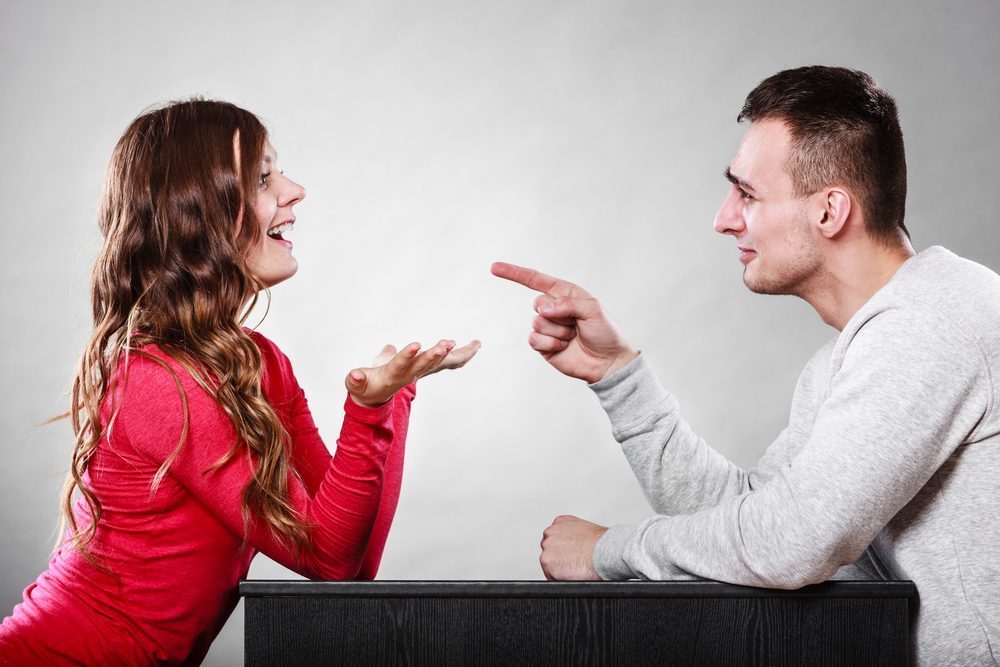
point(311, 457)
point(309, 454)
point(346, 499)
point(391, 483)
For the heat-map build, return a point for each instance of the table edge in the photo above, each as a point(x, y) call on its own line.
point(534, 589)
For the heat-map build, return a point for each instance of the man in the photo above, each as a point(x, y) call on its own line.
point(890, 465)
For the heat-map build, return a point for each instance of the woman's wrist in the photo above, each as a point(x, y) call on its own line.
point(360, 403)
point(368, 414)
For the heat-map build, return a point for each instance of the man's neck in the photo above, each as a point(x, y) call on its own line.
point(852, 274)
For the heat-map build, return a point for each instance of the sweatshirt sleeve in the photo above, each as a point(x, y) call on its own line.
point(912, 387)
point(677, 471)
point(341, 508)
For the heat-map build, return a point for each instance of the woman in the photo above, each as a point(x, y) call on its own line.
point(195, 447)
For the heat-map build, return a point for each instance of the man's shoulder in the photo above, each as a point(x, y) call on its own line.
point(936, 290)
point(940, 278)
point(940, 316)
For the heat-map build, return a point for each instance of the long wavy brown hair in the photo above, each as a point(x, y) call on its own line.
point(173, 272)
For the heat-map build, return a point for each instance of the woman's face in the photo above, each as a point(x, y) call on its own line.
point(272, 262)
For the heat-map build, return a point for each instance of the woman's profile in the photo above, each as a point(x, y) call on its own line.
point(195, 447)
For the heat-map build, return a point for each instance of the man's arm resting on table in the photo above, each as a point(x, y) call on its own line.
point(909, 391)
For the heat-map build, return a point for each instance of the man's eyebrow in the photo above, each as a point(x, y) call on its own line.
point(736, 180)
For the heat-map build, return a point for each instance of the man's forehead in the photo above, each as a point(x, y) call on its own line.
point(762, 151)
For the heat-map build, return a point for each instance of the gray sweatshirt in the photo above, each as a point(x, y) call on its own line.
point(889, 467)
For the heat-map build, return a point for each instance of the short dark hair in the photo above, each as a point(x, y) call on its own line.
point(845, 130)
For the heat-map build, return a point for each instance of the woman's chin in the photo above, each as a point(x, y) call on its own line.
point(276, 275)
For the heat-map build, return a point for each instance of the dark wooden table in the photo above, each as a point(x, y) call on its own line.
point(563, 623)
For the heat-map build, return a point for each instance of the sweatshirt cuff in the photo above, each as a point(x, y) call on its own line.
point(622, 373)
point(608, 558)
point(632, 396)
point(366, 415)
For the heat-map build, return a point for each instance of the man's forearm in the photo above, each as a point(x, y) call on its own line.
point(677, 471)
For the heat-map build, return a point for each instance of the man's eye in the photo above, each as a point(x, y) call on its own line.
point(745, 196)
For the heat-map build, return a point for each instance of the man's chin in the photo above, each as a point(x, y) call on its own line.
point(749, 280)
point(758, 286)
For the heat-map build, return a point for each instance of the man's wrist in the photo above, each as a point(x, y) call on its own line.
point(621, 361)
point(608, 555)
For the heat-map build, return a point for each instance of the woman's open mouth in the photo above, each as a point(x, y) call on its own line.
point(278, 231)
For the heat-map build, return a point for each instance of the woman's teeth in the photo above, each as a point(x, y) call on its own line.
point(277, 231)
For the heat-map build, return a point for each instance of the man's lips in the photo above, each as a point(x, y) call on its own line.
point(746, 254)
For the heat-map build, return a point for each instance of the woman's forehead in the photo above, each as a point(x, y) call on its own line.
point(270, 155)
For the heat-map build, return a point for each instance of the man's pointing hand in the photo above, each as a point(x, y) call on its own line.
point(572, 331)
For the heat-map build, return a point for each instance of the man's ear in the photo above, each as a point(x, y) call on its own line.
point(834, 210)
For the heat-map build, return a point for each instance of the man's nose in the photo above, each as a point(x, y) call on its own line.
point(729, 219)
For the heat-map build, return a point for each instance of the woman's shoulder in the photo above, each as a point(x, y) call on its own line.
point(266, 345)
point(152, 358)
point(149, 377)
point(272, 358)
point(277, 377)
point(151, 369)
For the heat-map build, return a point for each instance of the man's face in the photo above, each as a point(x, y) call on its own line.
point(777, 244)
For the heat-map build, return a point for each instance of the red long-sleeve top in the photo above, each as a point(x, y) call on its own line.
point(174, 556)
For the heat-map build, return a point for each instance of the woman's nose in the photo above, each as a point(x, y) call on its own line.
point(292, 193)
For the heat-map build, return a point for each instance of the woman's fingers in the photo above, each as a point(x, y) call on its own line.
point(376, 385)
point(460, 356)
point(403, 359)
point(357, 382)
point(387, 353)
point(410, 363)
point(357, 379)
point(457, 357)
point(425, 362)
point(394, 370)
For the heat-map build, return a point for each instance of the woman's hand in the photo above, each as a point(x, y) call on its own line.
point(392, 370)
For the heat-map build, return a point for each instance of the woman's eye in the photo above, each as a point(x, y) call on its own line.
point(263, 179)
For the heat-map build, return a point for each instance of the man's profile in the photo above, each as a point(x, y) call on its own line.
point(890, 465)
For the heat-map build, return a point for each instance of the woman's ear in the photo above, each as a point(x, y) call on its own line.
point(835, 209)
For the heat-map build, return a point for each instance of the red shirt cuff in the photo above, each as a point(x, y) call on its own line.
point(366, 415)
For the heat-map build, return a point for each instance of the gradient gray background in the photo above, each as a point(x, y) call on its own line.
point(586, 139)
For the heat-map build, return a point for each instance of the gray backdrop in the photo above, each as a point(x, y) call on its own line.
point(584, 138)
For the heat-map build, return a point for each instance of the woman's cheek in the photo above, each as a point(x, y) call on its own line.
point(265, 209)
